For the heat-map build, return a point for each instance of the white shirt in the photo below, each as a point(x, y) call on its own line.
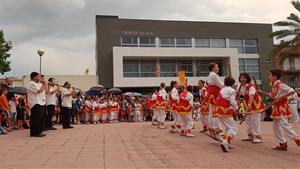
point(33, 96)
point(51, 98)
point(204, 91)
point(162, 93)
point(13, 106)
point(214, 79)
point(88, 104)
point(154, 97)
point(228, 93)
point(190, 98)
point(174, 94)
point(252, 89)
point(283, 89)
point(66, 100)
point(94, 105)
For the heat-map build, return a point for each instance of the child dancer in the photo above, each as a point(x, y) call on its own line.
point(253, 106)
point(214, 86)
point(226, 105)
point(173, 102)
point(103, 109)
point(185, 108)
point(204, 109)
point(280, 111)
point(161, 106)
point(155, 116)
point(114, 110)
point(96, 111)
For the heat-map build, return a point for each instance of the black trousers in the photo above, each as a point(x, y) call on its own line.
point(50, 112)
point(65, 116)
point(36, 119)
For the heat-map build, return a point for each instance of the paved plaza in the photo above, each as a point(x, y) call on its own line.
point(139, 145)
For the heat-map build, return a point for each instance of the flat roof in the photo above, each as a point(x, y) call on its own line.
point(171, 20)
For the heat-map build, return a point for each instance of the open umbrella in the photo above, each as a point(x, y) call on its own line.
point(98, 87)
point(93, 92)
point(114, 90)
point(18, 90)
point(133, 94)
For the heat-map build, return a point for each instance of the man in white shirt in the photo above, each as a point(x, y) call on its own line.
point(35, 89)
point(51, 103)
point(67, 94)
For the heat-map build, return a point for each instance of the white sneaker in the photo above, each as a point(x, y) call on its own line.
point(230, 146)
point(162, 127)
point(189, 135)
point(224, 147)
point(256, 141)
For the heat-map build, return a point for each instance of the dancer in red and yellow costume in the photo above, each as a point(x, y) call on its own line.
point(214, 85)
point(226, 106)
point(160, 106)
point(253, 106)
point(185, 107)
point(173, 104)
point(204, 108)
point(281, 112)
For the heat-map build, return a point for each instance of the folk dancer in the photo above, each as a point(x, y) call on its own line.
point(204, 106)
point(173, 103)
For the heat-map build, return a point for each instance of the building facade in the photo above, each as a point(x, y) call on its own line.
point(133, 53)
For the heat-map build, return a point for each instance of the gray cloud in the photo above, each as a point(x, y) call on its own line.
point(65, 29)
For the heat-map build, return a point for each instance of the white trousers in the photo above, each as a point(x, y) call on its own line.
point(162, 115)
point(204, 119)
point(96, 117)
point(281, 126)
point(214, 122)
point(155, 115)
point(177, 119)
point(113, 116)
point(230, 126)
point(187, 121)
point(294, 110)
point(104, 117)
point(253, 123)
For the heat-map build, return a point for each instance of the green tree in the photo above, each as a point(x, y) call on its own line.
point(289, 35)
point(5, 47)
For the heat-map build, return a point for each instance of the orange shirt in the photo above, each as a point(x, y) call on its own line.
point(4, 103)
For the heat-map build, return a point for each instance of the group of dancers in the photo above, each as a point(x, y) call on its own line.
point(219, 102)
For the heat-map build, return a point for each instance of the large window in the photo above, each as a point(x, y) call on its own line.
point(148, 68)
point(167, 42)
point(251, 66)
point(237, 43)
point(147, 41)
point(183, 42)
point(168, 68)
point(187, 66)
point(251, 46)
point(202, 43)
point(244, 45)
point(218, 43)
point(129, 40)
point(131, 68)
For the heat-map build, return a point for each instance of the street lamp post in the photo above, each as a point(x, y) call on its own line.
point(40, 53)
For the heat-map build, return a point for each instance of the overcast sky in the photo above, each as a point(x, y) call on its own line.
point(65, 29)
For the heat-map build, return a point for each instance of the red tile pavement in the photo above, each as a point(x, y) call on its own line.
point(139, 145)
